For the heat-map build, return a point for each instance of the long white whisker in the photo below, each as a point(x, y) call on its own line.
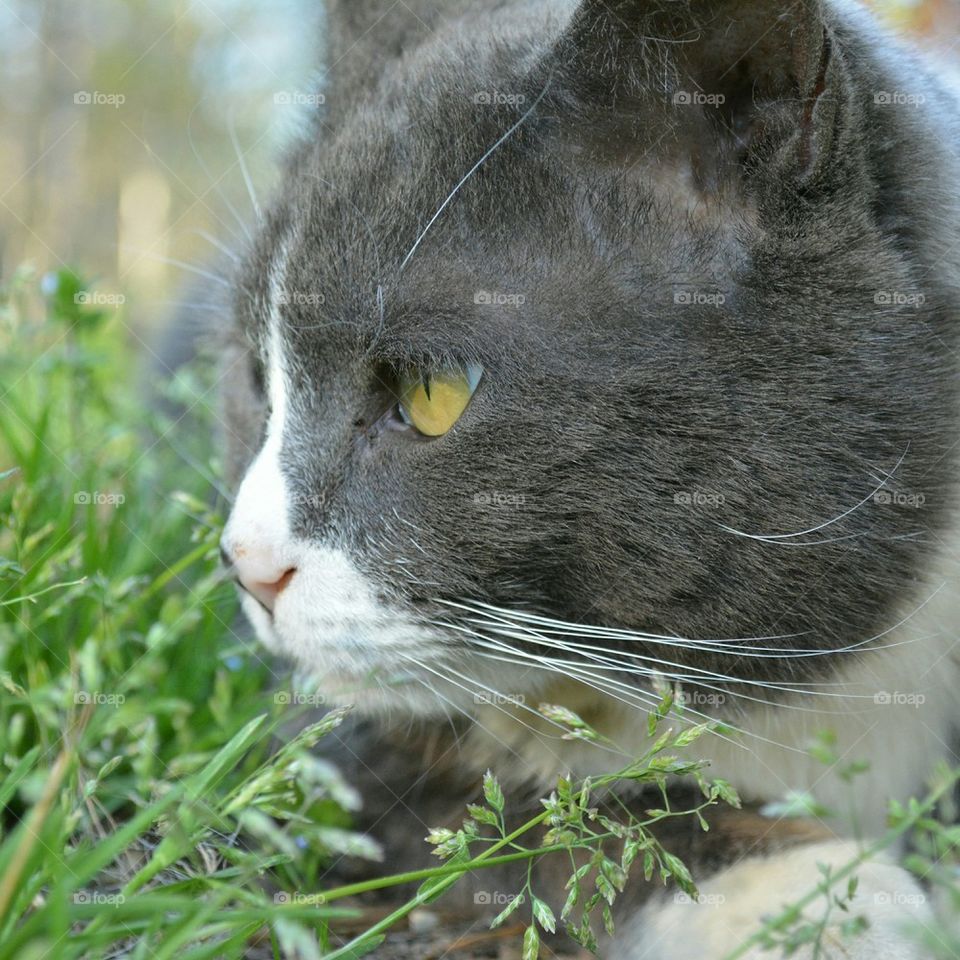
point(826, 523)
point(531, 635)
point(700, 679)
point(632, 696)
point(476, 167)
point(241, 159)
point(199, 271)
point(732, 647)
point(448, 703)
point(733, 643)
point(215, 182)
point(693, 645)
point(608, 686)
point(496, 694)
point(576, 630)
point(222, 247)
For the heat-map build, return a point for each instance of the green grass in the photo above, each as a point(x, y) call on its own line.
point(153, 802)
point(136, 728)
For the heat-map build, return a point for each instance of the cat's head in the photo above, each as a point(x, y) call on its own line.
point(572, 336)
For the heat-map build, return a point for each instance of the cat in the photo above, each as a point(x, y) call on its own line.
point(591, 346)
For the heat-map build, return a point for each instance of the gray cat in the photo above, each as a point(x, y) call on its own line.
point(592, 346)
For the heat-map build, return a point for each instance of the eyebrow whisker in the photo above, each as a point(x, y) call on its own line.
point(503, 139)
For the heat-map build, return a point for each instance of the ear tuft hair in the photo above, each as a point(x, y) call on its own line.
point(763, 85)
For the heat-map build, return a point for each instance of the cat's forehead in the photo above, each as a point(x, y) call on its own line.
point(450, 214)
point(389, 229)
point(425, 264)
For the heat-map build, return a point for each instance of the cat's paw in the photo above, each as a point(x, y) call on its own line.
point(734, 902)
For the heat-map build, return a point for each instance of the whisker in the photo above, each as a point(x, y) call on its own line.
point(700, 678)
point(222, 247)
point(496, 694)
point(693, 645)
point(846, 513)
point(475, 168)
point(733, 647)
point(241, 159)
point(632, 696)
point(215, 182)
point(620, 632)
point(192, 268)
point(447, 702)
point(608, 687)
point(513, 717)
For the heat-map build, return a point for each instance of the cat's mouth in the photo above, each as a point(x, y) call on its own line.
point(375, 659)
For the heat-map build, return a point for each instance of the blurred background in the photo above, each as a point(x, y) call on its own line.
point(129, 127)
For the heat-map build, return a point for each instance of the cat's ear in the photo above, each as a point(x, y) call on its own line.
point(738, 81)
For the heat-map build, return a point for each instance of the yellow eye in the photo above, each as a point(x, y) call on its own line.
point(433, 403)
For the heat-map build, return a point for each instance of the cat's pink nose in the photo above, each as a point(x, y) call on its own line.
point(258, 570)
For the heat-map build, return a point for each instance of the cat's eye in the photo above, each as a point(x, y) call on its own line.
point(433, 403)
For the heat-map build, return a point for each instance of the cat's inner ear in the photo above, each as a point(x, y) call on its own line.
point(726, 86)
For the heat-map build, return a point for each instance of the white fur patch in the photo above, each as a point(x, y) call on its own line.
point(899, 717)
point(260, 514)
point(328, 618)
point(733, 903)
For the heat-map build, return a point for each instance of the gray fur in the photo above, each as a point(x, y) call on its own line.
point(604, 399)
